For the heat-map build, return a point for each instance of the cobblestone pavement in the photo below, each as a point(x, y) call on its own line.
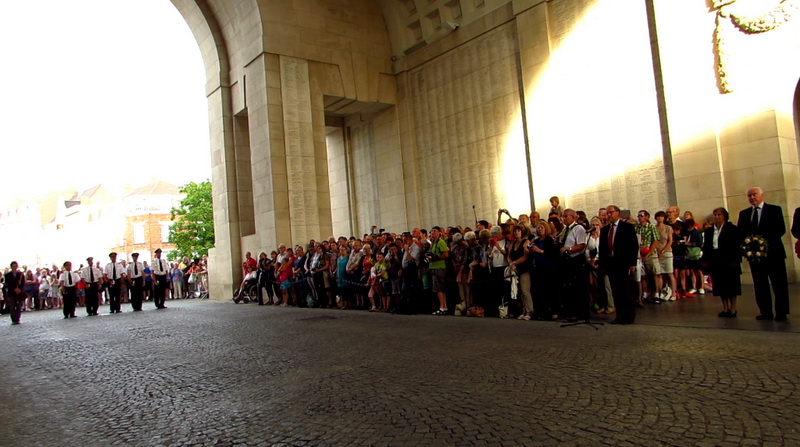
point(219, 374)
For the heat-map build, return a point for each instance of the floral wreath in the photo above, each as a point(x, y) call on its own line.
point(745, 21)
point(754, 248)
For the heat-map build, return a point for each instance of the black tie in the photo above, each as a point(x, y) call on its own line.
point(113, 272)
point(754, 219)
point(91, 274)
point(135, 269)
point(69, 278)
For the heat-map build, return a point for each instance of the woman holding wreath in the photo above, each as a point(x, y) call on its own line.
point(722, 260)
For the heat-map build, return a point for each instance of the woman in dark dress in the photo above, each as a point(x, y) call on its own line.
point(722, 260)
point(543, 250)
point(14, 282)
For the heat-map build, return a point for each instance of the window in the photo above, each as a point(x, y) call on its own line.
point(165, 226)
point(138, 232)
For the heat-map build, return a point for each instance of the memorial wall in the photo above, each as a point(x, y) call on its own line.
point(592, 107)
point(467, 131)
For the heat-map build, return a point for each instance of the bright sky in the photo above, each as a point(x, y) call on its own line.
point(99, 91)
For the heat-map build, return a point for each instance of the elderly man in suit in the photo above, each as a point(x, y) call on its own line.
point(618, 253)
point(767, 220)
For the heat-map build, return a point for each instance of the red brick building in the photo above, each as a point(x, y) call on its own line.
point(147, 220)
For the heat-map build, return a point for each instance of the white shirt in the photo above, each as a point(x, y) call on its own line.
point(159, 267)
point(717, 231)
point(98, 274)
point(576, 236)
point(137, 272)
point(498, 258)
point(69, 279)
point(114, 271)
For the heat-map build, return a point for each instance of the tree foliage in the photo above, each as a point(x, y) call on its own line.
point(193, 230)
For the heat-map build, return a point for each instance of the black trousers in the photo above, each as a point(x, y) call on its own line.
point(622, 287)
point(70, 297)
point(772, 271)
point(15, 305)
point(545, 291)
point(113, 296)
point(92, 298)
point(160, 286)
point(574, 293)
point(137, 293)
point(264, 283)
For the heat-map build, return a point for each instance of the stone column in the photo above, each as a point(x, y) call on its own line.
point(306, 181)
point(223, 258)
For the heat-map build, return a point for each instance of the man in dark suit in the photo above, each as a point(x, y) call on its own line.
point(618, 253)
point(767, 220)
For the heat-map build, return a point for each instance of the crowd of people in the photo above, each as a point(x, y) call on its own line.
point(90, 285)
point(564, 267)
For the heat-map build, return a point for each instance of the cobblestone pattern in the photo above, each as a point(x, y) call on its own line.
point(218, 374)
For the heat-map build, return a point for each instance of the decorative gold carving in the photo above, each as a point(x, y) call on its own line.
point(749, 17)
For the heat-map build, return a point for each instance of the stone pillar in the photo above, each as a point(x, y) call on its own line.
point(305, 165)
point(224, 257)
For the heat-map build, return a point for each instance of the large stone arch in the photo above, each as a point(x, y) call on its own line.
point(328, 116)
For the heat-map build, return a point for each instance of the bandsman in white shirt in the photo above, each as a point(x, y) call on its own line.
point(69, 281)
point(160, 270)
point(113, 275)
point(93, 277)
point(136, 276)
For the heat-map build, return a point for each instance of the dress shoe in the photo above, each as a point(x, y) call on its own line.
point(764, 317)
point(780, 317)
point(724, 314)
point(731, 314)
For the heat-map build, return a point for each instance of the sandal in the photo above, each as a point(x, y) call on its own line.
point(524, 317)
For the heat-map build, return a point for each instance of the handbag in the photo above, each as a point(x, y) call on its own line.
point(694, 253)
point(475, 311)
point(503, 311)
point(192, 278)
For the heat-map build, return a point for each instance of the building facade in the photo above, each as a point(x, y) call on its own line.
point(148, 220)
point(330, 116)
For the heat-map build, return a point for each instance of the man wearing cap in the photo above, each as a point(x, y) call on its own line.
point(160, 284)
point(92, 276)
point(69, 281)
point(136, 275)
point(113, 275)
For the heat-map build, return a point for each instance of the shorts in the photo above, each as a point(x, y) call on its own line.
point(286, 285)
point(652, 265)
point(438, 279)
point(679, 262)
point(639, 270)
point(397, 286)
point(665, 263)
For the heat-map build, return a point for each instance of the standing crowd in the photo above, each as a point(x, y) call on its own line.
point(564, 267)
point(89, 286)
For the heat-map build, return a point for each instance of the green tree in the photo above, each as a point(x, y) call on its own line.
point(193, 230)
